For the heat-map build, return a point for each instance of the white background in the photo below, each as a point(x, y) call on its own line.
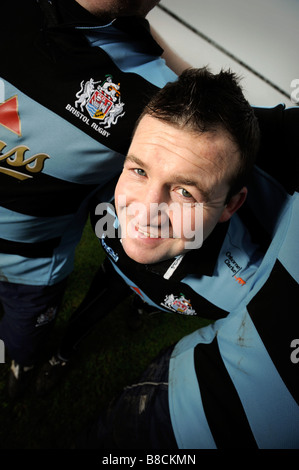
point(262, 35)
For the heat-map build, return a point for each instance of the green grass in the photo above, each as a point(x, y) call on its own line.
point(112, 357)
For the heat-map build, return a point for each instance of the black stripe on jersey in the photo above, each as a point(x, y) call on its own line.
point(29, 250)
point(42, 195)
point(279, 136)
point(223, 409)
point(274, 312)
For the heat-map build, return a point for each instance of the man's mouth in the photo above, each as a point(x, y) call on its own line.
point(147, 234)
point(155, 234)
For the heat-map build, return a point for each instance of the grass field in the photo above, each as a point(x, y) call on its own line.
point(112, 357)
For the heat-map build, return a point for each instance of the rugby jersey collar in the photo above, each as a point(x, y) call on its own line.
point(201, 261)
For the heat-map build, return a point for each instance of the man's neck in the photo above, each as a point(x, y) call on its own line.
point(101, 11)
point(74, 12)
point(108, 10)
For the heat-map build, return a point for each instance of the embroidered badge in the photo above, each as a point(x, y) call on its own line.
point(46, 317)
point(101, 101)
point(178, 304)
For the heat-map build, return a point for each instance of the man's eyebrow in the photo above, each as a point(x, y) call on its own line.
point(190, 182)
point(131, 158)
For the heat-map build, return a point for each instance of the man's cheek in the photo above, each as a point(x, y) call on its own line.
point(192, 225)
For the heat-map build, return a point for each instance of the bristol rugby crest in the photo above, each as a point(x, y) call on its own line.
point(178, 304)
point(102, 101)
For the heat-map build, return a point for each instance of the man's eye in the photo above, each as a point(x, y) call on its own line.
point(184, 193)
point(139, 172)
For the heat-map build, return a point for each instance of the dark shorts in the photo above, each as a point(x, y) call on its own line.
point(139, 418)
point(28, 314)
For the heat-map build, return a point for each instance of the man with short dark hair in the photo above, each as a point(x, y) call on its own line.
point(184, 179)
point(232, 384)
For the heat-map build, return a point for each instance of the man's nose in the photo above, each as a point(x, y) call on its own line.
point(153, 207)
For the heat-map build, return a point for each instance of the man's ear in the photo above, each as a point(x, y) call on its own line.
point(233, 204)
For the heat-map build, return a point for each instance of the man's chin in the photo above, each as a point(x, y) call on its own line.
point(143, 258)
point(153, 255)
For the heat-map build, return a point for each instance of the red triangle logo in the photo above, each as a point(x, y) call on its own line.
point(9, 115)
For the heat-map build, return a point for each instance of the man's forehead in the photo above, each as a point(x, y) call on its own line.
point(214, 144)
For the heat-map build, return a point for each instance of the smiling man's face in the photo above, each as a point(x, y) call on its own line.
point(185, 171)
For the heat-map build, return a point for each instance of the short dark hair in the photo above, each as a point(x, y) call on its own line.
point(201, 101)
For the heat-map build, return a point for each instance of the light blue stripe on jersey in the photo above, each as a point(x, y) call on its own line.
point(128, 55)
point(24, 270)
point(271, 410)
point(31, 229)
point(188, 419)
point(40, 271)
